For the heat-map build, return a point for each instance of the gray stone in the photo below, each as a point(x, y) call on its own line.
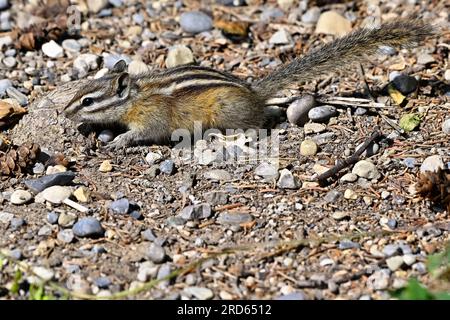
point(217, 174)
point(287, 180)
point(199, 293)
point(271, 14)
point(371, 150)
point(432, 163)
point(71, 45)
point(106, 136)
point(409, 162)
point(332, 196)
point(16, 223)
point(5, 41)
point(5, 21)
point(322, 113)
point(267, 171)
point(347, 244)
point(43, 273)
point(195, 22)
point(163, 273)
point(349, 177)
point(281, 37)
point(4, 85)
point(175, 221)
point(6, 217)
point(366, 169)
point(379, 280)
point(405, 84)
point(409, 259)
point(446, 126)
point(52, 49)
point(216, 198)
point(391, 249)
point(167, 167)
point(121, 206)
point(292, 296)
point(116, 3)
point(66, 236)
point(156, 253)
point(10, 62)
point(138, 18)
point(38, 185)
point(52, 217)
point(196, 212)
point(38, 168)
point(227, 218)
point(420, 267)
point(340, 215)
point(148, 235)
point(20, 197)
point(4, 4)
point(425, 58)
point(45, 231)
point(324, 138)
point(360, 111)
point(147, 270)
point(311, 16)
point(394, 263)
point(15, 254)
point(88, 227)
point(17, 95)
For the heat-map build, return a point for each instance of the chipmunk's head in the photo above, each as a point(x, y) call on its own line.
point(102, 100)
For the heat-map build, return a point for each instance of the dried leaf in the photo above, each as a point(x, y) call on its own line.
point(410, 121)
point(396, 95)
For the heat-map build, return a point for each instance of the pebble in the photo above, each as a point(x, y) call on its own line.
point(196, 212)
point(349, 194)
point(55, 169)
point(5, 21)
point(292, 296)
point(106, 136)
point(409, 259)
point(285, 4)
point(425, 58)
point(55, 194)
point(52, 49)
point(102, 282)
point(218, 175)
point(10, 62)
point(199, 293)
point(446, 74)
point(432, 163)
point(216, 198)
point(95, 6)
point(164, 272)
point(360, 111)
point(409, 162)
point(105, 166)
point(138, 18)
point(44, 274)
point(446, 126)
point(420, 267)
point(340, 215)
point(379, 280)
point(100, 74)
point(66, 220)
point(88, 227)
point(147, 270)
point(394, 263)
point(6, 217)
point(138, 67)
point(228, 218)
point(322, 113)
point(20, 197)
point(349, 177)
point(393, 75)
point(366, 169)
point(4, 85)
point(195, 22)
point(175, 221)
point(297, 112)
point(66, 236)
point(179, 55)
point(267, 171)
point(331, 22)
point(71, 45)
point(15, 254)
point(167, 167)
point(347, 244)
point(17, 95)
point(152, 157)
point(308, 148)
point(271, 14)
point(38, 185)
point(311, 16)
point(52, 217)
point(17, 223)
point(4, 4)
point(121, 206)
point(76, 284)
point(45, 231)
point(324, 138)
point(82, 194)
point(332, 196)
point(5, 41)
point(116, 3)
point(314, 128)
point(287, 180)
point(391, 249)
point(149, 235)
point(405, 84)
point(385, 194)
point(156, 253)
point(281, 37)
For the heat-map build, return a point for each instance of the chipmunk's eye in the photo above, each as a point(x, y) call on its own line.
point(87, 102)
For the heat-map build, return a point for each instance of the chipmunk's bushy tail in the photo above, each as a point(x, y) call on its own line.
point(341, 53)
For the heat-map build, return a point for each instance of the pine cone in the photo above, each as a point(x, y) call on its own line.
point(18, 159)
point(435, 186)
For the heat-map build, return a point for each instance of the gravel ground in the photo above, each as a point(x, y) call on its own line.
point(209, 229)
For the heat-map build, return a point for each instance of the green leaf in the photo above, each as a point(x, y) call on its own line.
point(413, 291)
point(442, 296)
point(410, 121)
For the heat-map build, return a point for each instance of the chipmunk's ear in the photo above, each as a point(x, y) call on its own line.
point(123, 84)
point(119, 67)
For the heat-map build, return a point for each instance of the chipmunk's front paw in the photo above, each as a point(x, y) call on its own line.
point(120, 142)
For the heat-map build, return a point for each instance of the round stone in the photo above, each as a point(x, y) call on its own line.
point(446, 126)
point(267, 171)
point(156, 253)
point(297, 112)
point(349, 177)
point(71, 45)
point(432, 164)
point(52, 49)
point(20, 197)
point(366, 169)
point(66, 236)
point(106, 136)
point(179, 55)
point(88, 227)
point(322, 113)
point(138, 67)
point(195, 22)
point(287, 180)
point(350, 194)
point(405, 84)
point(311, 16)
point(308, 148)
point(105, 166)
point(152, 158)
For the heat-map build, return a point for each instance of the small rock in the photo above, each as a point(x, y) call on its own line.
point(390, 250)
point(106, 135)
point(379, 280)
point(156, 253)
point(102, 282)
point(179, 55)
point(287, 180)
point(410, 162)
point(311, 16)
point(446, 74)
point(55, 194)
point(366, 169)
point(199, 293)
point(71, 45)
point(4, 85)
point(9, 62)
point(308, 148)
point(292, 296)
point(314, 128)
point(385, 194)
point(153, 158)
point(340, 215)
point(4, 4)
point(196, 212)
point(148, 235)
point(227, 218)
point(420, 267)
point(216, 198)
point(271, 14)
point(267, 171)
point(43, 273)
point(175, 221)
point(137, 67)
point(297, 112)
point(425, 58)
point(44, 182)
point(285, 4)
point(20, 197)
point(88, 227)
point(105, 166)
point(394, 263)
point(167, 167)
point(195, 22)
point(432, 163)
point(332, 196)
point(218, 174)
point(55, 169)
point(360, 111)
point(66, 220)
point(147, 270)
point(45, 231)
point(324, 138)
point(66, 236)
point(6, 217)
point(52, 217)
point(17, 95)
point(281, 37)
point(322, 113)
point(446, 126)
point(349, 194)
point(15, 254)
point(349, 177)
point(331, 22)
point(138, 18)
point(95, 6)
point(347, 244)
point(121, 206)
point(405, 84)
point(82, 194)
point(409, 259)
point(52, 49)
point(16, 223)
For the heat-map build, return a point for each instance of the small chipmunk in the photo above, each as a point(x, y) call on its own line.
point(154, 104)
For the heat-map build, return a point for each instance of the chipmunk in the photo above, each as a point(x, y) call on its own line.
point(154, 104)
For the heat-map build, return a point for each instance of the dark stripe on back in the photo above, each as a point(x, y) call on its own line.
point(202, 87)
